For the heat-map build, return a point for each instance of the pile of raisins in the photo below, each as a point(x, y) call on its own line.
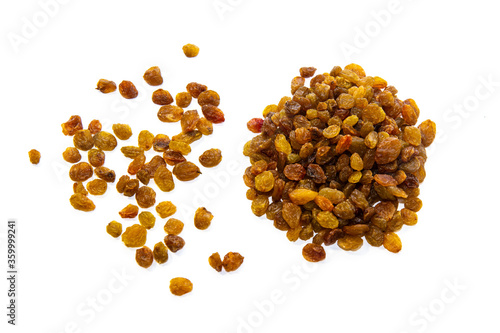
point(334, 162)
point(171, 152)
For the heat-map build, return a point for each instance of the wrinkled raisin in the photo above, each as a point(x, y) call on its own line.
point(114, 229)
point(122, 131)
point(160, 253)
point(71, 155)
point(83, 140)
point(97, 187)
point(134, 236)
point(145, 197)
point(183, 99)
point(202, 218)
point(153, 76)
point(174, 242)
point(180, 286)
point(162, 97)
point(313, 252)
point(128, 90)
point(144, 257)
point(105, 141)
point(173, 226)
point(80, 172)
point(195, 89)
point(106, 86)
point(215, 261)
point(232, 261)
point(81, 202)
point(73, 125)
point(186, 171)
point(190, 50)
point(165, 209)
point(147, 220)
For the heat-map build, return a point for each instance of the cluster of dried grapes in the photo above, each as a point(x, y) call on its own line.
point(337, 159)
point(171, 152)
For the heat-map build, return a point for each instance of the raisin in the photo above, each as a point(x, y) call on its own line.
point(131, 187)
point(173, 157)
point(208, 97)
point(173, 226)
point(145, 197)
point(205, 126)
point(215, 261)
point(186, 171)
point(260, 205)
point(409, 217)
point(105, 141)
point(264, 182)
point(170, 113)
point(131, 151)
point(130, 211)
point(291, 213)
point(134, 236)
point(96, 157)
point(183, 99)
point(144, 257)
point(413, 203)
point(147, 220)
point(81, 202)
point(313, 252)
point(180, 147)
point(332, 236)
point(412, 135)
point(79, 188)
point(83, 140)
point(255, 125)
point(374, 236)
point(302, 196)
point(385, 180)
point(154, 164)
point(388, 150)
point(232, 261)
point(106, 86)
point(97, 187)
point(160, 253)
point(145, 140)
point(294, 171)
point(80, 172)
point(114, 229)
point(161, 142)
point(202, 218)
point(174, 242)
point(153, 76)
point(71, 155)
point(327, 220)
point(428, 132)
point(190, 50)
point(122, 131)
point(128, 90)
point(162, 97)
point(95, 126)
point(180, 286)
point(213, 113)
point(73, 125)
point(163, 179)
point(189, 120)
point(392, 242)
point(210, 158)
point(122, 182)
point(105, 174)
point(307, 72)
point(165, 209)
point(136, 164)
point(195, 89)
point(350, 243)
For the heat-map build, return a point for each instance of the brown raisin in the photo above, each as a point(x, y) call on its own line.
point(79, 188)
point(95, 126)
point(96, 157)
point(160, 253)
point(209, 97)
point(213, 113)
point(106, 86)
point(97, 187)
point(313, 252)
point(189, 120)
point(202, 218)
point(162, 97)
point(307, 72)
point(180, 286)
point(388, 150)
point(80, 172)
point(122, 182)
point(428, 132)
point(183, 99)
point(128, 90)
point(232, 261)
point(255, 125)
point(131, 151)
point(144, 257)
point(195, 89)
point(105, 141)
point(173, 157)
point(136, 164)
point(163, 179)
point(143, 176)
point(71, 155)
point(205, 126)
point(83, 140)
point(73, 125)
point(161, 142)
point(131, 188)
point(186, 171)
point(215, 261)
point(114, 229)
point(174, 242)
point(129, 211)
point(165, 209)
point(105, 174)
point(134, 236)
point(145, 139)
point(153, 76)
point(145, 197)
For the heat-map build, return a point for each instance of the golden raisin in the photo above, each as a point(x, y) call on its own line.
point(160, 253)
point(122, 131)
point(215, 261)
point(313, 252)
point(205, 126)
point(81, 202)
point(173, 226)
point(144, 257)
point(134, 236)
point(106, 86)
point(165, 209)
point(186, 171)
point(73, 125)
point(392, 242)
point(130, 211)
point(80, 172)
point(213, 113)
point(105, 141)
point(180, 286)
point(145, 139)
point(147, 219)
point(189, 120)
point(128, 90)
point(114, 229)
point(163, 179)
point(72, 155)
point(202, 218)
point(153, 76)
point(161, 142)
point(162, 97)
point(174, 242)
point(209, 97)
point(183, 99)
point(105, 174)
point(97, 187)
point(170, 113)
point(145, 197)
point(195, 89)
point(95, 126)
point(96, 157)
point(83, 140)
point(232, 261)
point(190, 50)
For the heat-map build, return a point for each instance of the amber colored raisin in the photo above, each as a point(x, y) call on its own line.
point(294, 171)
point(154, 164)
point(79, 188)
point(186, 171)
point(81, 202)
point(183, 99)
point(213, 113)
point(145, 197)
point(122, 182)
point(392, 242)
point(412, 135)
point(163, 179)
point(136, 164)
point(202, 218)
point(129, 211)
point(350, 243)
point(385, 180)
point(105, 141)
point(105, 174)
point(106, 86)
point(316, 173)
point(153, 76)
point(209, 97)
point(291, 213)
point(307, 72)
point(302, 196)
point(264, 182)
point(215, 261)
point(73, 125)
point(174, 242)
point(96, 157)
point(260, 205)
point(388, 150)
point(189, 120)
point(170, 113)
point(180, 147)
point(143, 176)
point(162, 97)
point(232, 261)
point(80, 172)
point(95, 126)
point(428, 132)
point(145, 140)
point(313, 252)
point(195, 89)
point(83, 140)
point(409, 217)
point(323, 203)
point(128, 90)
point(297, 82)
point(173, 226)
point(114, 229)
point(144, 257)
point(131, 187)
point(205, 126)
point(160, 253)
point(190, 50)
point(147, 220)
point(134, 236)
point(180, 286)
point(373, 113)
point(255, 125)
point(327, 220)
point(72, 155)
point(165, 209)
point(413, 203)
point(131, 151)
point(343, 144)
point(122, 131)
point(173, 157)
point(97, 187)
point(374, 236)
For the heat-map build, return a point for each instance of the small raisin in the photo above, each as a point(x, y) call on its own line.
point(128, 90)
point(174, 242)
point(202, 218)
point(106, 86)
point(153, 76)
point(232, 261)
point(144, 257)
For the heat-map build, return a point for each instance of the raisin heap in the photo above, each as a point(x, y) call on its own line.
point(334, 162)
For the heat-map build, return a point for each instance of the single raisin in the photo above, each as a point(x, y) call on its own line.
point(173, 226)
point(80, 172)
point(180, 286)
point(122, 131)
point(186, 171)
point(71, 155)
point(211, 158)
point(209, 97)
point(160, 253)
point(106, 86)
point(190, 50)
point(144, 257)
point(174, 242)
point(153, 76)
point(313, 252)
point(95, 126)
point(96, 157)
point(195, 89)
point(215, 261)
point(147, 219)
point(97, 187)
point(162, 97)
point(213, 113)
point(183, 99)
point(232, 261)
point(145, 139)
point(145, 197)
point(105, 174)
point(114, 229)
point(81, 202)
point(134, 236)
point(128, 90)
point(83, 140)
point(202, 218)
point(105, 141)
point(165, 209)
point(73, 125)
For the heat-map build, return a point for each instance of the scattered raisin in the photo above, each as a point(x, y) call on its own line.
point(202, 218)
point(96, 157)
point(165, 209)
point(147, 219)
point(313, 252)
point(174, 242)
point(128, 90)
point(160, 253)
point(173, 226)
point(180, 286)
point(195, 89)
point(145, 197)
point(186, 171)
point(81, 202)
point(105, 174)
point(153, 76)
point(80, 172)
point(183, 99)
point(105, 141)
point(114, 229)
point(144, 257)
point(208, 97)
point(145, 139)
point(71, 155)
point(213, 113)
point(232, 261)
point(163, 179)
point(130, 211)
point(83, 140)
point(122, 131)
point(97, 187)
point(134, 236)
point(215, 261)
point(162, 97)
point(106, 86)
point(73, 125)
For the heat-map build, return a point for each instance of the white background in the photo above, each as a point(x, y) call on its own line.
point(438, 53)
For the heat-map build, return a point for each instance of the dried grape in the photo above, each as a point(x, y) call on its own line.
point(144, 257)
point(211, 158)
point(174, 242)
point(114, 229)
point(180, 286)
point(128, 90)
point(215, 261)
point(202, 218)
point(165, 209)
point(232, 261)
point(106, 86)
point(134, 236)
point(153, 76)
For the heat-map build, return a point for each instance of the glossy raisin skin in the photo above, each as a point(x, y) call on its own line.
point(73, 125)
point(195, 89)
point(313, 252)
point(202, 218)
point(211, 158)
point(180, 286)
point(145, 197)
point(128, 90)
point(72, 155)
point(81, 202)
point(160, 253)
point(162, 97)
point(80, 172)
point(215, 261)
point(174, 242)
point(186, 171)
point(122, 131)
point(190, 50)
point(106, 86)
point(232, 261)
point(153, 76)
point(173, 226)
point(114, 229)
